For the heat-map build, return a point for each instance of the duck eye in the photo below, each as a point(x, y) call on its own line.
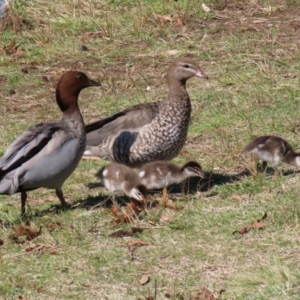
point(79, 77)
point(186, 66)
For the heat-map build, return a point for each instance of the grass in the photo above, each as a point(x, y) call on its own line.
point(250, 50)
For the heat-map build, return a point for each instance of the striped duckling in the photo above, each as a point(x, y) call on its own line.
point(120, 178)
point(160, 174)
point(272, 149)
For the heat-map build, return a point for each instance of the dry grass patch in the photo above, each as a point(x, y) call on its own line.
point(251, 53)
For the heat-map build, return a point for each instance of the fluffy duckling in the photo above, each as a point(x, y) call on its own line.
point(160, 174)
point(46, 154)
point(273, 149)
point(149, 131)
point(120, 178)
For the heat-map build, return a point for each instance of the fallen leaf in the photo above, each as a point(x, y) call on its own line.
point(236, 197)
point(134, 243)
point(19, 54)
point(122, 233)
point(179, 22)
point(22, 298)
point(52, 198)
point(165, 201)
point(256, 225)
point(119, 214)
point(164, 218)
point(27, 231)
point(164, 19)
point(53, 225)
point(205, 7)
point(40, 248)
point(127, 214)
point(144, 279)
point(204, 294)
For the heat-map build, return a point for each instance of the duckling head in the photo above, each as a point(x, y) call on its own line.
point(192, 168)
point(139, 192)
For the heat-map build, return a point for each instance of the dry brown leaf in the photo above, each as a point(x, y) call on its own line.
point(53, 225)
point(119, 215)
point(135, 243)
point(179, 22)
point(52, 198)
point(236, 197)
point(27, 231)
point(22, 298)
point(127, 214)
point(130, 232)
point(40, 248)
point(256, 225)
point(164, 19)
point(19, 54)
point(165, 201)
point(144, 279)
point(204, 294)
point(165, 218)
point(10, 48)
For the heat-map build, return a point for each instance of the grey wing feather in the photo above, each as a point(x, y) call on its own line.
point(28, 144)
point(130, 119)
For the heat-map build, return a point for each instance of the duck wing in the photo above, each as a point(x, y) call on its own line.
point(27, 145)
point(130, 119)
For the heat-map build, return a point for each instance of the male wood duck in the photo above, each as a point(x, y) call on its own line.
point(149, 131)
point(46, 154)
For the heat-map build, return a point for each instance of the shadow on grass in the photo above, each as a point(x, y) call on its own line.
point(196, 184)
point(91, 202)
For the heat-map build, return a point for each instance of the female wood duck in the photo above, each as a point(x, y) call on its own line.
point(149, 131)
point(273, 149)
point(120, 178)
point(160, 174)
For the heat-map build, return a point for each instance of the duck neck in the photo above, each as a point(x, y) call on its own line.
point(71, 117)
point(178, 98)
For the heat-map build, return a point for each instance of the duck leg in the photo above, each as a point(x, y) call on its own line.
point(164, 199)
point(23, 202)
point(264, 166)
point(61, 198)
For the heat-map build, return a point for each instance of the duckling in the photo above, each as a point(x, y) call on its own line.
point(149, 131)
point(46, 154)
point(120, 178)
point(273, 149)
point(160, 174)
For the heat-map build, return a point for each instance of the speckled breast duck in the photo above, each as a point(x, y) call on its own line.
point(149, 131)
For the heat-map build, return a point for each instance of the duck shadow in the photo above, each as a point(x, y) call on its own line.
point(88, 203)
point(193, 184)
point(196, 184)
point(269, 171)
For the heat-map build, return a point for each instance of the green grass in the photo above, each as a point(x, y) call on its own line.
point(251, 54)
